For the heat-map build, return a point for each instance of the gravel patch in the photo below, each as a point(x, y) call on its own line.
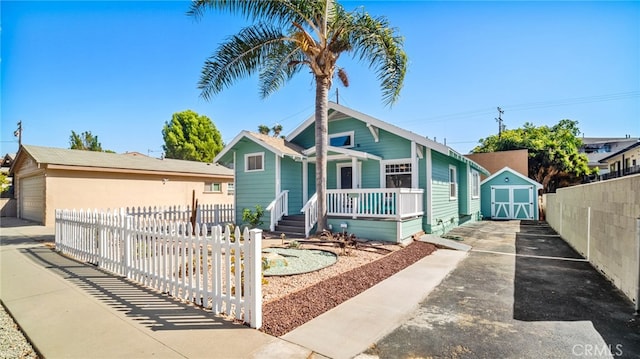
point(286, 313)
point(13, 343)
point(296, 261)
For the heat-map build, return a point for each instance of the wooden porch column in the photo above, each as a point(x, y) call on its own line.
point(305, 181)
point(414, 166)
point(354, 172)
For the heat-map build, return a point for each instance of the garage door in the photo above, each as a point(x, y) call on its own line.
point(512, 202)
point(31, 194)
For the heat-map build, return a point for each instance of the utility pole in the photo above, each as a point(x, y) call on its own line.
point(18, 133)
point(499, 120)
point(337, 97)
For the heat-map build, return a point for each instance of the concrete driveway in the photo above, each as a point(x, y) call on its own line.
point(521, 293)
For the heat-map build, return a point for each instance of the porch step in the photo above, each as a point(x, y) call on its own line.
point(291, 226)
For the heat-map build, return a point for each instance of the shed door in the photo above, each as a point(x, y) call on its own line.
point(512, 202)
point(31, 194)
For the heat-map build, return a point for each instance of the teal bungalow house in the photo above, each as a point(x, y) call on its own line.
point(383, 182)
point(508, 194)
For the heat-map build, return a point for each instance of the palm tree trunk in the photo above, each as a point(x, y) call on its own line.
point(322, 126)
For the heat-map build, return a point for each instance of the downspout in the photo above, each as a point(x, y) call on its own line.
point(428, 194)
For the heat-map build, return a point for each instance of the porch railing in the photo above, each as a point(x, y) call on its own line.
point(310, 211)
point(393, 203)
point(278, 208)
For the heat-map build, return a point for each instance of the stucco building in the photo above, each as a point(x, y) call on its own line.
point(47, 179)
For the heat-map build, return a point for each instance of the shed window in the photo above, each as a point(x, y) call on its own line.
point(453, 183)
point(254, 162)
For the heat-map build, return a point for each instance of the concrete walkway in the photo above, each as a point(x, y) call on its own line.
point(72, 310)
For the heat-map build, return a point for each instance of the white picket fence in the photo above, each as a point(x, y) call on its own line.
point(209, 214)
point(210, 267)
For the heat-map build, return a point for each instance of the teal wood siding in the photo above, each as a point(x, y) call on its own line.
point(311, 178)
point(445, 210)
point(291, 180)
point(371, 174)
point(254, 188)
point(375, 230)
point(410, 227)
point(389, 147)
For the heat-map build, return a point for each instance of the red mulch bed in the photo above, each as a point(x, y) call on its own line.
point(285, 314)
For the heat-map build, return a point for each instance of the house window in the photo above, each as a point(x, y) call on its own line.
point(213, 187)
point(475, 184)
point(231, 188)
point(453, 183)
point(254, 162)
point(397, 175)
point(342, 139)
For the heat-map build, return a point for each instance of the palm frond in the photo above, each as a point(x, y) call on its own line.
point(284, 61)
point(240, 56)
point(374, 41)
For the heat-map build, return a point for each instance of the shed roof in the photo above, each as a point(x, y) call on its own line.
point(515, 173)
point(80, 158)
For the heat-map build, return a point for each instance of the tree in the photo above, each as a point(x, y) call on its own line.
point(192, 137)
point(4, 183)
point(264, 129)
point(288, 36)
point(553, 151)
point(276, 130)
point(85, 141)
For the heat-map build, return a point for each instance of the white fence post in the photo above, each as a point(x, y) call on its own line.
point(254, 279)
point(126, 238)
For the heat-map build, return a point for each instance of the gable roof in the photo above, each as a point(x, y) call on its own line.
point(277, 145)
point(632, 146)
point(102, 160)
point(340, 111)
point(283, 147)
point(515, 173)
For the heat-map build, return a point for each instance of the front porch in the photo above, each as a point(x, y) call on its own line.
point(387, 214)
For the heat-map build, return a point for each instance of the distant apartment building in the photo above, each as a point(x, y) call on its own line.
point(599, 148)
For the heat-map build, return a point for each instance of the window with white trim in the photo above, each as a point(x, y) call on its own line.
point(342, 139)
point(213, 187)
point(231, 187)
point(397, 175)
point(453, 183)
point(475, 184)
point(254, 162)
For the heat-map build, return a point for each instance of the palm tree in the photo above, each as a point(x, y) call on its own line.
point(290, 35)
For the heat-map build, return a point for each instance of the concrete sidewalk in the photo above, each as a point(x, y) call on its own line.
point(69, 309)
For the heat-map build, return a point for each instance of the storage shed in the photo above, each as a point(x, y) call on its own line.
point(508, 194)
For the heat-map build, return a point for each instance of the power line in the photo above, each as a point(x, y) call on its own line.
point(528, 106)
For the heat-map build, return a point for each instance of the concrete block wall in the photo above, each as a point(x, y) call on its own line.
point(601, 221)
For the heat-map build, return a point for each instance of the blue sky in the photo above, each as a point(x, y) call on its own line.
point(120, 69)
